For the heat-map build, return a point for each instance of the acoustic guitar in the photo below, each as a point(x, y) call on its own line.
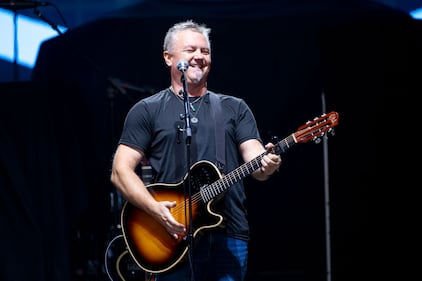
point(149, 243)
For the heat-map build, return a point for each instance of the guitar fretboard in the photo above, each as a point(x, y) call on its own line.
point(211, 191)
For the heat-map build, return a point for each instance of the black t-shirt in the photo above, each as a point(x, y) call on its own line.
point(155, 125)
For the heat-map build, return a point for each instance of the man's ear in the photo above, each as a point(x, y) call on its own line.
point(167, 58)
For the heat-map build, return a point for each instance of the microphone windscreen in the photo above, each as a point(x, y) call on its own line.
point(182, 65)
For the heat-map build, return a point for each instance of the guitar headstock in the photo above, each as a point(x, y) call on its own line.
point(317, 128)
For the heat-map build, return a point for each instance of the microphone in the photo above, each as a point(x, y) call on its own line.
point(20, 5)
point(182, 65)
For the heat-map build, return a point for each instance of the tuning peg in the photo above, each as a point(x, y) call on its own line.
point(317, 140)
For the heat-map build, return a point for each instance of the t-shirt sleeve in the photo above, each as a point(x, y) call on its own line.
point(137, 127)
point(247, 127)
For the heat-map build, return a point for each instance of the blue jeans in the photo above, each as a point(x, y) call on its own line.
point(216, 258)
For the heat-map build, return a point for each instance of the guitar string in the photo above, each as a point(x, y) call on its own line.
point(195, 199)
point(230, 177)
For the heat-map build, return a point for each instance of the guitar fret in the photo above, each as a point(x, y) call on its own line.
point(203, 191)
point(213, 193)
point(222, 188)
point(218, 187)
point(232, 179)
point(236, 172)
point(208, 195)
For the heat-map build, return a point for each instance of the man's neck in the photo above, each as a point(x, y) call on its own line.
point(194, 90)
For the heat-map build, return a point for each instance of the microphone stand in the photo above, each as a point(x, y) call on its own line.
point(187, 187)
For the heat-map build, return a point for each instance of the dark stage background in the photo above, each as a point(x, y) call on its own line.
point(59, 131)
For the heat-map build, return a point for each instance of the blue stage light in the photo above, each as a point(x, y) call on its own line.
point(30, 33)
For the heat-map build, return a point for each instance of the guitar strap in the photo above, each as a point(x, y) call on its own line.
point(220, 140)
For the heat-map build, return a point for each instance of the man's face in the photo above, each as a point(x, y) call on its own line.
point(194, 48)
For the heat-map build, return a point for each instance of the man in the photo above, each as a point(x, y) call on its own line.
point(156, 128)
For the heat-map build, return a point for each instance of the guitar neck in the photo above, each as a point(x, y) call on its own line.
point(211, 191)
point(310, 131)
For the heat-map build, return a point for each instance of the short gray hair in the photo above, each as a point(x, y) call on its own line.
point(181, 26)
